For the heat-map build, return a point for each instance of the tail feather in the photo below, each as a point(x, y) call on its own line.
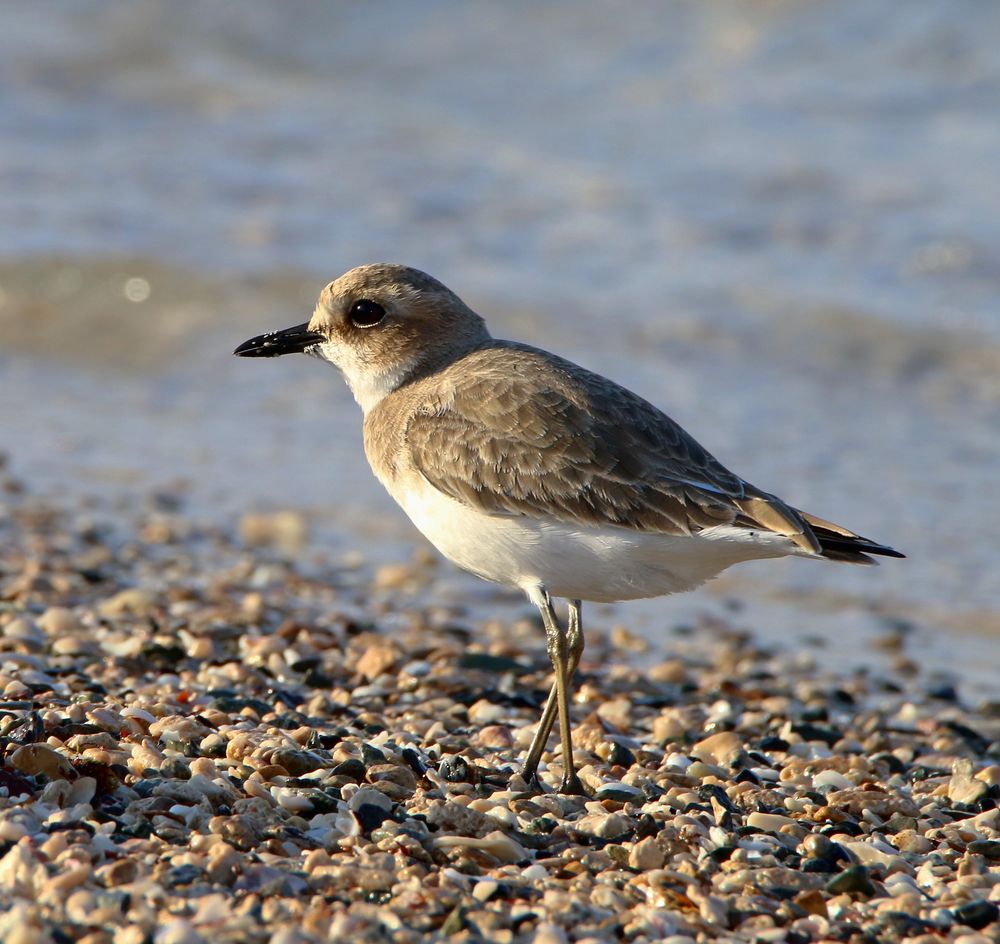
point(839, 544)
point(811, 534)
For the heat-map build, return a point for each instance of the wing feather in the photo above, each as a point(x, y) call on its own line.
point(522, 432)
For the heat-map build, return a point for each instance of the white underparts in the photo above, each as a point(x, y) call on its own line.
point(576, 561)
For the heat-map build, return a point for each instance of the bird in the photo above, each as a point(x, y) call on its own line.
point(528, 470)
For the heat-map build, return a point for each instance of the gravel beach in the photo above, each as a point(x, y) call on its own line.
point(235, 707)
point(204, 740)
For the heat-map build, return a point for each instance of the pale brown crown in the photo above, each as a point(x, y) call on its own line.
point(425, 323)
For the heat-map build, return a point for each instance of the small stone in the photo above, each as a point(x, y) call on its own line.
point(11, 831)
point(817, 846)
point(672, 671)
point(668, 727)
point(485, 889)
point(620, 793)
point(989, 848)
point(178, 728)
point(977, 914)
point(853, 880)
point(298, 763)
point(371, 797)
point(483, 711)
point(376, 659)
point(722, 749)
point(396, 775)
point(24, 632)
point(869, 855)
point(182, 875)
point(990, 775)
point(353, 768)
point(496, 737)
point(450, 817)
point(223, 864)
point(700, 770)
point(138, 714)
point(646, 855)
point(291, 800)
point(34, 759)
point(963, 787)
point(831, 778)
point(878, 802)
point(130, 602)
point(909, 840)
point(122, 872)
point(497, 844)
point(549, 933)
point(82, 791)
point(177, 931)
point(812, 901)
point(769, 822)
point(60, 884)
point(455, 769)
point(604, 826)
point(286, 530)
point(400, 576)
point(21, 873)
point(59, 621)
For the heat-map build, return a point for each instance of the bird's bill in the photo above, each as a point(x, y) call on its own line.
point(274, 343)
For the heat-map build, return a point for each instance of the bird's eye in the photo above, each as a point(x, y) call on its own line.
point(366, 313)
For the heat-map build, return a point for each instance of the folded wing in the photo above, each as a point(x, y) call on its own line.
point(575, 446)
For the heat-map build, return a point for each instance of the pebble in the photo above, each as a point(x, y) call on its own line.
point(769, 822)
point(286, 530)
point(646, 855)
point(341, 765)
point(854, 879)
point(130, 602)
point(831, 778)
point(497, 844)
point(722, 749)
point(619, 792)
point(59, 621)
point(40, 759)
point(977, 914)
point(963, 786)
point(376, 659)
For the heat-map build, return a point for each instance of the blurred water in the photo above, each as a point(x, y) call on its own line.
point(778, 220)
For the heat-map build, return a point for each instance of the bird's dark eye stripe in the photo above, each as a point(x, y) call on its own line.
point(366, 314)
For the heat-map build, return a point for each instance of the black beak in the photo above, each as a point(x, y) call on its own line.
point(288, 341)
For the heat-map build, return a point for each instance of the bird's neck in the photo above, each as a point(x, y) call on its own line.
point(371, 386)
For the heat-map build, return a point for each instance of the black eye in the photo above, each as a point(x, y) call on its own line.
point(366, 313)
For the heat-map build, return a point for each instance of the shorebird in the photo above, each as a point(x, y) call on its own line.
point(528, 470)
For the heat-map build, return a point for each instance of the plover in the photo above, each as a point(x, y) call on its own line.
point(528, 470)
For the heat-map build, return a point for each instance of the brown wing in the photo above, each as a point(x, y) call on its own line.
point(521, 432)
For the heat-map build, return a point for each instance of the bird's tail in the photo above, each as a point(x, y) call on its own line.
point(839, 544)
point(814, 536)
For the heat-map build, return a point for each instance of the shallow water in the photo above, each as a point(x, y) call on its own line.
point(779, 221)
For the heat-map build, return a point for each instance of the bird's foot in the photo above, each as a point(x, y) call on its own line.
point(571, 785)
point(530, 778)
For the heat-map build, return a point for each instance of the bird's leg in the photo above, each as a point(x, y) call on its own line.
point(565, 649)
point(574, 635)
point(574, 641)
point(530, 769)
